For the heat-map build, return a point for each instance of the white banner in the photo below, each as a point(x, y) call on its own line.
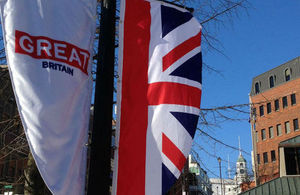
point(49, 46)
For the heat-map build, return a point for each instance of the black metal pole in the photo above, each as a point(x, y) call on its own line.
point(100, 156)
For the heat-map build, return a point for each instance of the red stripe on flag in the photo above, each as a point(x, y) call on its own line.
point(182, 49)
point(134, 112)
point(172, 152)
point(173, 93)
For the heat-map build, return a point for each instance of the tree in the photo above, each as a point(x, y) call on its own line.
point(34, 183)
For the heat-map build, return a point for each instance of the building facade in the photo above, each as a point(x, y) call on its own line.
point(199, 182)
point(232, 186)
point(192, 181)
point(275, 115)
point(241, 172)
point(224, 187)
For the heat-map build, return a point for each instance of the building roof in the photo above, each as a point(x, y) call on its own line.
point(217, 181)
point(279, 186)
point(278, 74)
point(241, 158)
point(294, 141)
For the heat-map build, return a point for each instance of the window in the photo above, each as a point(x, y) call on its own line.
point(276, 103)
point(293, 99)
point(287, 127)
point(273, 156)
point(1, 110)
point(284, 102)
point(261, 110)
point(11, 110)
point(269, 109)
point(271, 133)
point(258, 159)
point(265, 155)
point(256, 135)
point(253, 112)
point(263, 134)
point(256, 88)
point(271, 81)
point(296, 124)
point(292, 159)
point(278, 129)
point(287, 74)
point(11, 171)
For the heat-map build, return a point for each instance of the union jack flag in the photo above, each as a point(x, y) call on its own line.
point(160, 65)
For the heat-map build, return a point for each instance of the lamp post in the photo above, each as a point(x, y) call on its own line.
point(219, 160)
point(100, 156)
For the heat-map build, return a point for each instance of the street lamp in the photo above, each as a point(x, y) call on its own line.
point(219, 160)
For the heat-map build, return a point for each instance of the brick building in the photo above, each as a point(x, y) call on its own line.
point(275, 115)
point(13, 145)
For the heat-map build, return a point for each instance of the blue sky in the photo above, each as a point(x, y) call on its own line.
point(257, 41)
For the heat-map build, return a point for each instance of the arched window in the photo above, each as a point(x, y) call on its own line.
point(287, 74)
point(256, 88)
point(271, 81)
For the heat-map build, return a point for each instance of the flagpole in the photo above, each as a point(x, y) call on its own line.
point(100, 156)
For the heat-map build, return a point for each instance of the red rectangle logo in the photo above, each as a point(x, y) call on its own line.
point(41, 47)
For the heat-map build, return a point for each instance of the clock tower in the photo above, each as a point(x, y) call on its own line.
point(241, 167)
